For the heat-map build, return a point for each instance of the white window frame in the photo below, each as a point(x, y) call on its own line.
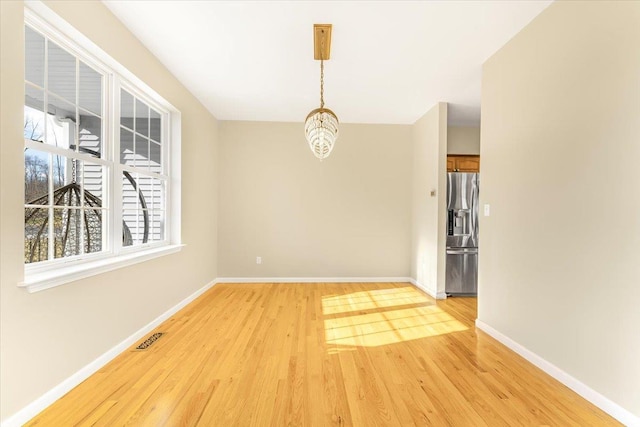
point(47, 274)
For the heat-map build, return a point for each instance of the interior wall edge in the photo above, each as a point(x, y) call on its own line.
point(441, 217)
point(428, 291)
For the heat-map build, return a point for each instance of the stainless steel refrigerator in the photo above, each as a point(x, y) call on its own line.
point(462, 234)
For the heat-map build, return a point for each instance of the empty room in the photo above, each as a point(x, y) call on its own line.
point(317, 213)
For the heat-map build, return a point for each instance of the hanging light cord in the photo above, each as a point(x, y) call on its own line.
point(322, 72)
point(321, 82)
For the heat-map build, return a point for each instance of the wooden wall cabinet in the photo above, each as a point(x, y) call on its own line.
point(463, 163)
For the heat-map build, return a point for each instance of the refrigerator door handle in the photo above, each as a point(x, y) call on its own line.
point(462, 251)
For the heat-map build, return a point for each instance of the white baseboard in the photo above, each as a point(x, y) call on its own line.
point(608, 406)
point(312, 279)
point(430, 292)
point(41, 403)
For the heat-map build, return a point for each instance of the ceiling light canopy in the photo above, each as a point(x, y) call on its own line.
point(321, 125)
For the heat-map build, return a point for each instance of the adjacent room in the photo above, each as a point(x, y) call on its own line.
point(314, 213)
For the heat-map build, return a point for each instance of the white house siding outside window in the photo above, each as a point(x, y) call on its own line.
point(96, 153)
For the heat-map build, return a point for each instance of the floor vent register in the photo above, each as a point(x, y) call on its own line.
point(149, 341)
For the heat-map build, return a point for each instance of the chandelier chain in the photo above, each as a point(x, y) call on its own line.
point(321, 83)
point(322, 73)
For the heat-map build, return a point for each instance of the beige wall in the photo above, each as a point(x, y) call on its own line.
point(428, 221)
point(347, 216)
point(47, 336)
point(559, 255)
point(463, 140)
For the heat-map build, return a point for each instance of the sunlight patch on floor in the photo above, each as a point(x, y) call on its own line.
point(385, 325)
point(366, 300)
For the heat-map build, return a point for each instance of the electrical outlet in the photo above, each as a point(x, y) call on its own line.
point(258, 260)
point(487, 210)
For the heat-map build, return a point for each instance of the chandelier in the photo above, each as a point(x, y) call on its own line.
point(321, 125)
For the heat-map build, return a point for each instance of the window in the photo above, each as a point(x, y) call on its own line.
point(97, 151)
point(143, 183)
point(66, 202)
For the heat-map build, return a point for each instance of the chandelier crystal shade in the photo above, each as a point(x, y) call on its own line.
point(321, 129)
point(321, 125)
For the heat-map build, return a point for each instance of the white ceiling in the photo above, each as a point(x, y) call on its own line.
point(390, 61)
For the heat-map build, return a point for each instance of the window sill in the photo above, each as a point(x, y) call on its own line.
point(36, 282)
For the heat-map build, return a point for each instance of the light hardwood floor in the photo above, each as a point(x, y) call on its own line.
point(320, 355)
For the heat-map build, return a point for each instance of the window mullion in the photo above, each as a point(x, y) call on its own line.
point(79, 164)
point(166, 172)
point(50, 213)
point(116, 170)
point(50, 186)
point(108, 170)
point(63, 152)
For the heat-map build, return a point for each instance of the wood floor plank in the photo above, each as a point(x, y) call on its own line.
point(325, 354)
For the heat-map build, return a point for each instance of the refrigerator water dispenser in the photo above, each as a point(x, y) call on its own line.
point(459, 222)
